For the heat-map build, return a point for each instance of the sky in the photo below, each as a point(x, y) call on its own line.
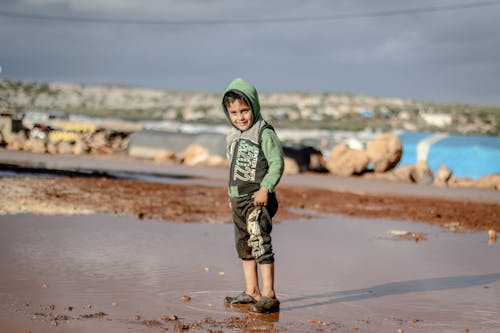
point(392, 48)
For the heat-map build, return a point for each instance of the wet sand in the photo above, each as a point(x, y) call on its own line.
point(334, 274)
point(191, 202)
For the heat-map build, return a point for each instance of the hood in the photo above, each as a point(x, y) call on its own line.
point(243, 87)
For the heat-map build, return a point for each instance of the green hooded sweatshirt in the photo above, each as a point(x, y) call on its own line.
point(256, 154)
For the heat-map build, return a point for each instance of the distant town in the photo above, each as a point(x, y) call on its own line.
point(298, 110)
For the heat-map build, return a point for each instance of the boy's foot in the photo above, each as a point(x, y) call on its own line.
point(266, 305)
point(241, 299)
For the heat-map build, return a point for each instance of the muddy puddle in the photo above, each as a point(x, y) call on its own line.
point(105, 273)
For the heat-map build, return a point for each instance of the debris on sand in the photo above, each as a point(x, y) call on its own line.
point(492, 234)
point(169, 318)
point(93, 315)
point(453, 226)
point(401, 234)
point(151, 322)
point(185, 298)
point(45, 285)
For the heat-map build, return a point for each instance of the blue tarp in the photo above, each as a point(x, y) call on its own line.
point(467, 155)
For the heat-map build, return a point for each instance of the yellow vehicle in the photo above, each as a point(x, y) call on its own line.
point(70, 131)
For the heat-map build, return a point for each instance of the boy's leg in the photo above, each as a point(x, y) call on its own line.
point(267, 271)
point(251, 278)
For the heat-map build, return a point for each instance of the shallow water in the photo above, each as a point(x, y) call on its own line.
point(333, 273)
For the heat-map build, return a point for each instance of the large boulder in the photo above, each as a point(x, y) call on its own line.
point(306, 157)
point(35, 146)
point(197, 155)
point(98, 140)
point(291, 166)
point(422, 174)
point(443, 175)
point(344, 161)
point(404, 173)
point(80, 147)
point(65, 147)
point(491, 182)
point(466, 182)
point(52, 147)
point(16, 141)
point(384, 152)
point(165, 156)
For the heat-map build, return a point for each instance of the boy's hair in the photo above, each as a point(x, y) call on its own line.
point(232, 96)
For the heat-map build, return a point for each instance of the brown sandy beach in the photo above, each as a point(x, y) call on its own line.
point(88, 254)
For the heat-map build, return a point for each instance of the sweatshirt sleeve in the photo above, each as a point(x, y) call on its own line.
point(271, 146)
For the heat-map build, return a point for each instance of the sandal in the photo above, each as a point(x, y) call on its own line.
point(266, 305)
point(241, 299)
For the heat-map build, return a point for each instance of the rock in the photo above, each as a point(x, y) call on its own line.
point(80, 147)
point(466, 182)
point(165, 156)
point(51, 147)
point(98, 140)
point(291, 166)
point(116, 143)
point(443, 174)
point(185, 298)
point(422, 174)
point(384, 152)
point(124, 143)
point(15, 141)
point(34, 146)
point(169, 318)
point(492, 234)
point(15, 145)
point(306, 157)
point(491, 182)
point(197, 155)
point(344, 161)
point(404, 173)
point(317, 162)
point(64, 147)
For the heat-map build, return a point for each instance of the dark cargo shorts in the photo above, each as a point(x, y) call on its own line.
point(252, 228)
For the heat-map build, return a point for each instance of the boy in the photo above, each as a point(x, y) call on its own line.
point(256, 167)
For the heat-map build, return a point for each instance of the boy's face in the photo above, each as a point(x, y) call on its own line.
point(240, 114)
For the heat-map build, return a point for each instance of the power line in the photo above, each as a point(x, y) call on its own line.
point(348, 16)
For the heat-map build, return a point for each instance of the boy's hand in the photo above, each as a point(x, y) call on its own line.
point(260, 197)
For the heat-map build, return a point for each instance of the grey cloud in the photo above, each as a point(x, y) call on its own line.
point(445, 56)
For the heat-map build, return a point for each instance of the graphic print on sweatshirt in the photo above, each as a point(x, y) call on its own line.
point(246, 159)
